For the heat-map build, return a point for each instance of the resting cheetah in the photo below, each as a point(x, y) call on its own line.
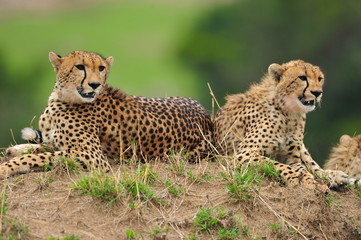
point(268, 122)
point(346, 156)
point(93, 122)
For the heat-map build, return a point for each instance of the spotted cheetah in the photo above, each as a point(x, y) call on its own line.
point(90, 121)
point(267, 122)
point(346, 156)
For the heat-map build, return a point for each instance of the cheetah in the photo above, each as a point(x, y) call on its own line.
point(346, 156)
point(267, 122)
point(90, 121)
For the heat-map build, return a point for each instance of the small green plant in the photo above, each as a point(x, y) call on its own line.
point(191, 237)
point(204, 177)
point(205, 220)
point(130, 234)
point(228, 233)
point(99, 185)
point(276, 228)
point(138, 190)
point(13, 230)
point(330, 201)
point(4, 204)
point(68, 237)
point(247, 179)
point(146, 174)
point(156, 231)
point(63, 164)
point(174, 188)
point(356, 188)
point(213, 222)
point(44, 181)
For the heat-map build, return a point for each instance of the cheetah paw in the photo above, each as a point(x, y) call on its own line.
point(337, 179)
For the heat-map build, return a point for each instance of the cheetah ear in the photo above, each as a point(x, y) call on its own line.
point(345, 139)
point(55, 60)
point(109, 60)
point(276, 71)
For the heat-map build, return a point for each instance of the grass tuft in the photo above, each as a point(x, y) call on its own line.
point(245, 180)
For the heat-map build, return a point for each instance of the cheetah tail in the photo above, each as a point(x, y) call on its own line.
point(31, 135)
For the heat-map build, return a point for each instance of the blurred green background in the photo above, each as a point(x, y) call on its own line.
point(166, 48)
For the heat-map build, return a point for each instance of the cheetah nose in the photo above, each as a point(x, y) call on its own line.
point(316, 93)
point(94, 85)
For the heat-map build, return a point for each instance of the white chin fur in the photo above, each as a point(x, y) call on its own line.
point(293, 105)
point(28, 134)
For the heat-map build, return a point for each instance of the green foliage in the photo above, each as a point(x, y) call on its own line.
point(44, 181)
point(356, 188)
point(13, 230)
point(331, 201)
point(219, 223)
point(174, 188)
point(276, 228)
point(138, 190)
point(247, 179)
point(204, 177)
point(228, 233)
point(99, 186)
point(68, 237)
point(4, 204)
point(205, 220)
point(156, 231)
point(130, 234)
point(111, 187)
point(61, 164)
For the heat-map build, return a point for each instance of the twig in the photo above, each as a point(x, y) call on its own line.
point(323, 232)
point(213, 96)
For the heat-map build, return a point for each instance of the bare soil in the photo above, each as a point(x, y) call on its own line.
point(274, 211)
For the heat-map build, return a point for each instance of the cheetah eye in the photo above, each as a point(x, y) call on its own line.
point(320, 79)
point(80, 66)
point(303, 78)
point(101, 68)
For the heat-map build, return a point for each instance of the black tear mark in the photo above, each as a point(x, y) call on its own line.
point(304, 90)
point(82, 81)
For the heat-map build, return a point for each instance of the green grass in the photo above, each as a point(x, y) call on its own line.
point(3, 203)
point(174, 188)
point(62, 165)
point(331, 201)
point(130, 234)
point(111, 188)
point(99, 186)
point(68, 237)
point(219, 224)
point(205, 220)
point(247, 179)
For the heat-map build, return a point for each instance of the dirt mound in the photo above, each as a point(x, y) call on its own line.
point(176, 200)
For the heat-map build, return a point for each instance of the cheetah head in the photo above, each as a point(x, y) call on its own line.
point(81, 76)
point(299, 85)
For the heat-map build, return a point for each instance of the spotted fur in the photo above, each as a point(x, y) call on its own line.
point(267, 122)
point(88, 120)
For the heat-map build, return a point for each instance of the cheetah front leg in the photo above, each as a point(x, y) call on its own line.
point(28, 162)
point(336, 178)
point(20, 149)
point(292, 175)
